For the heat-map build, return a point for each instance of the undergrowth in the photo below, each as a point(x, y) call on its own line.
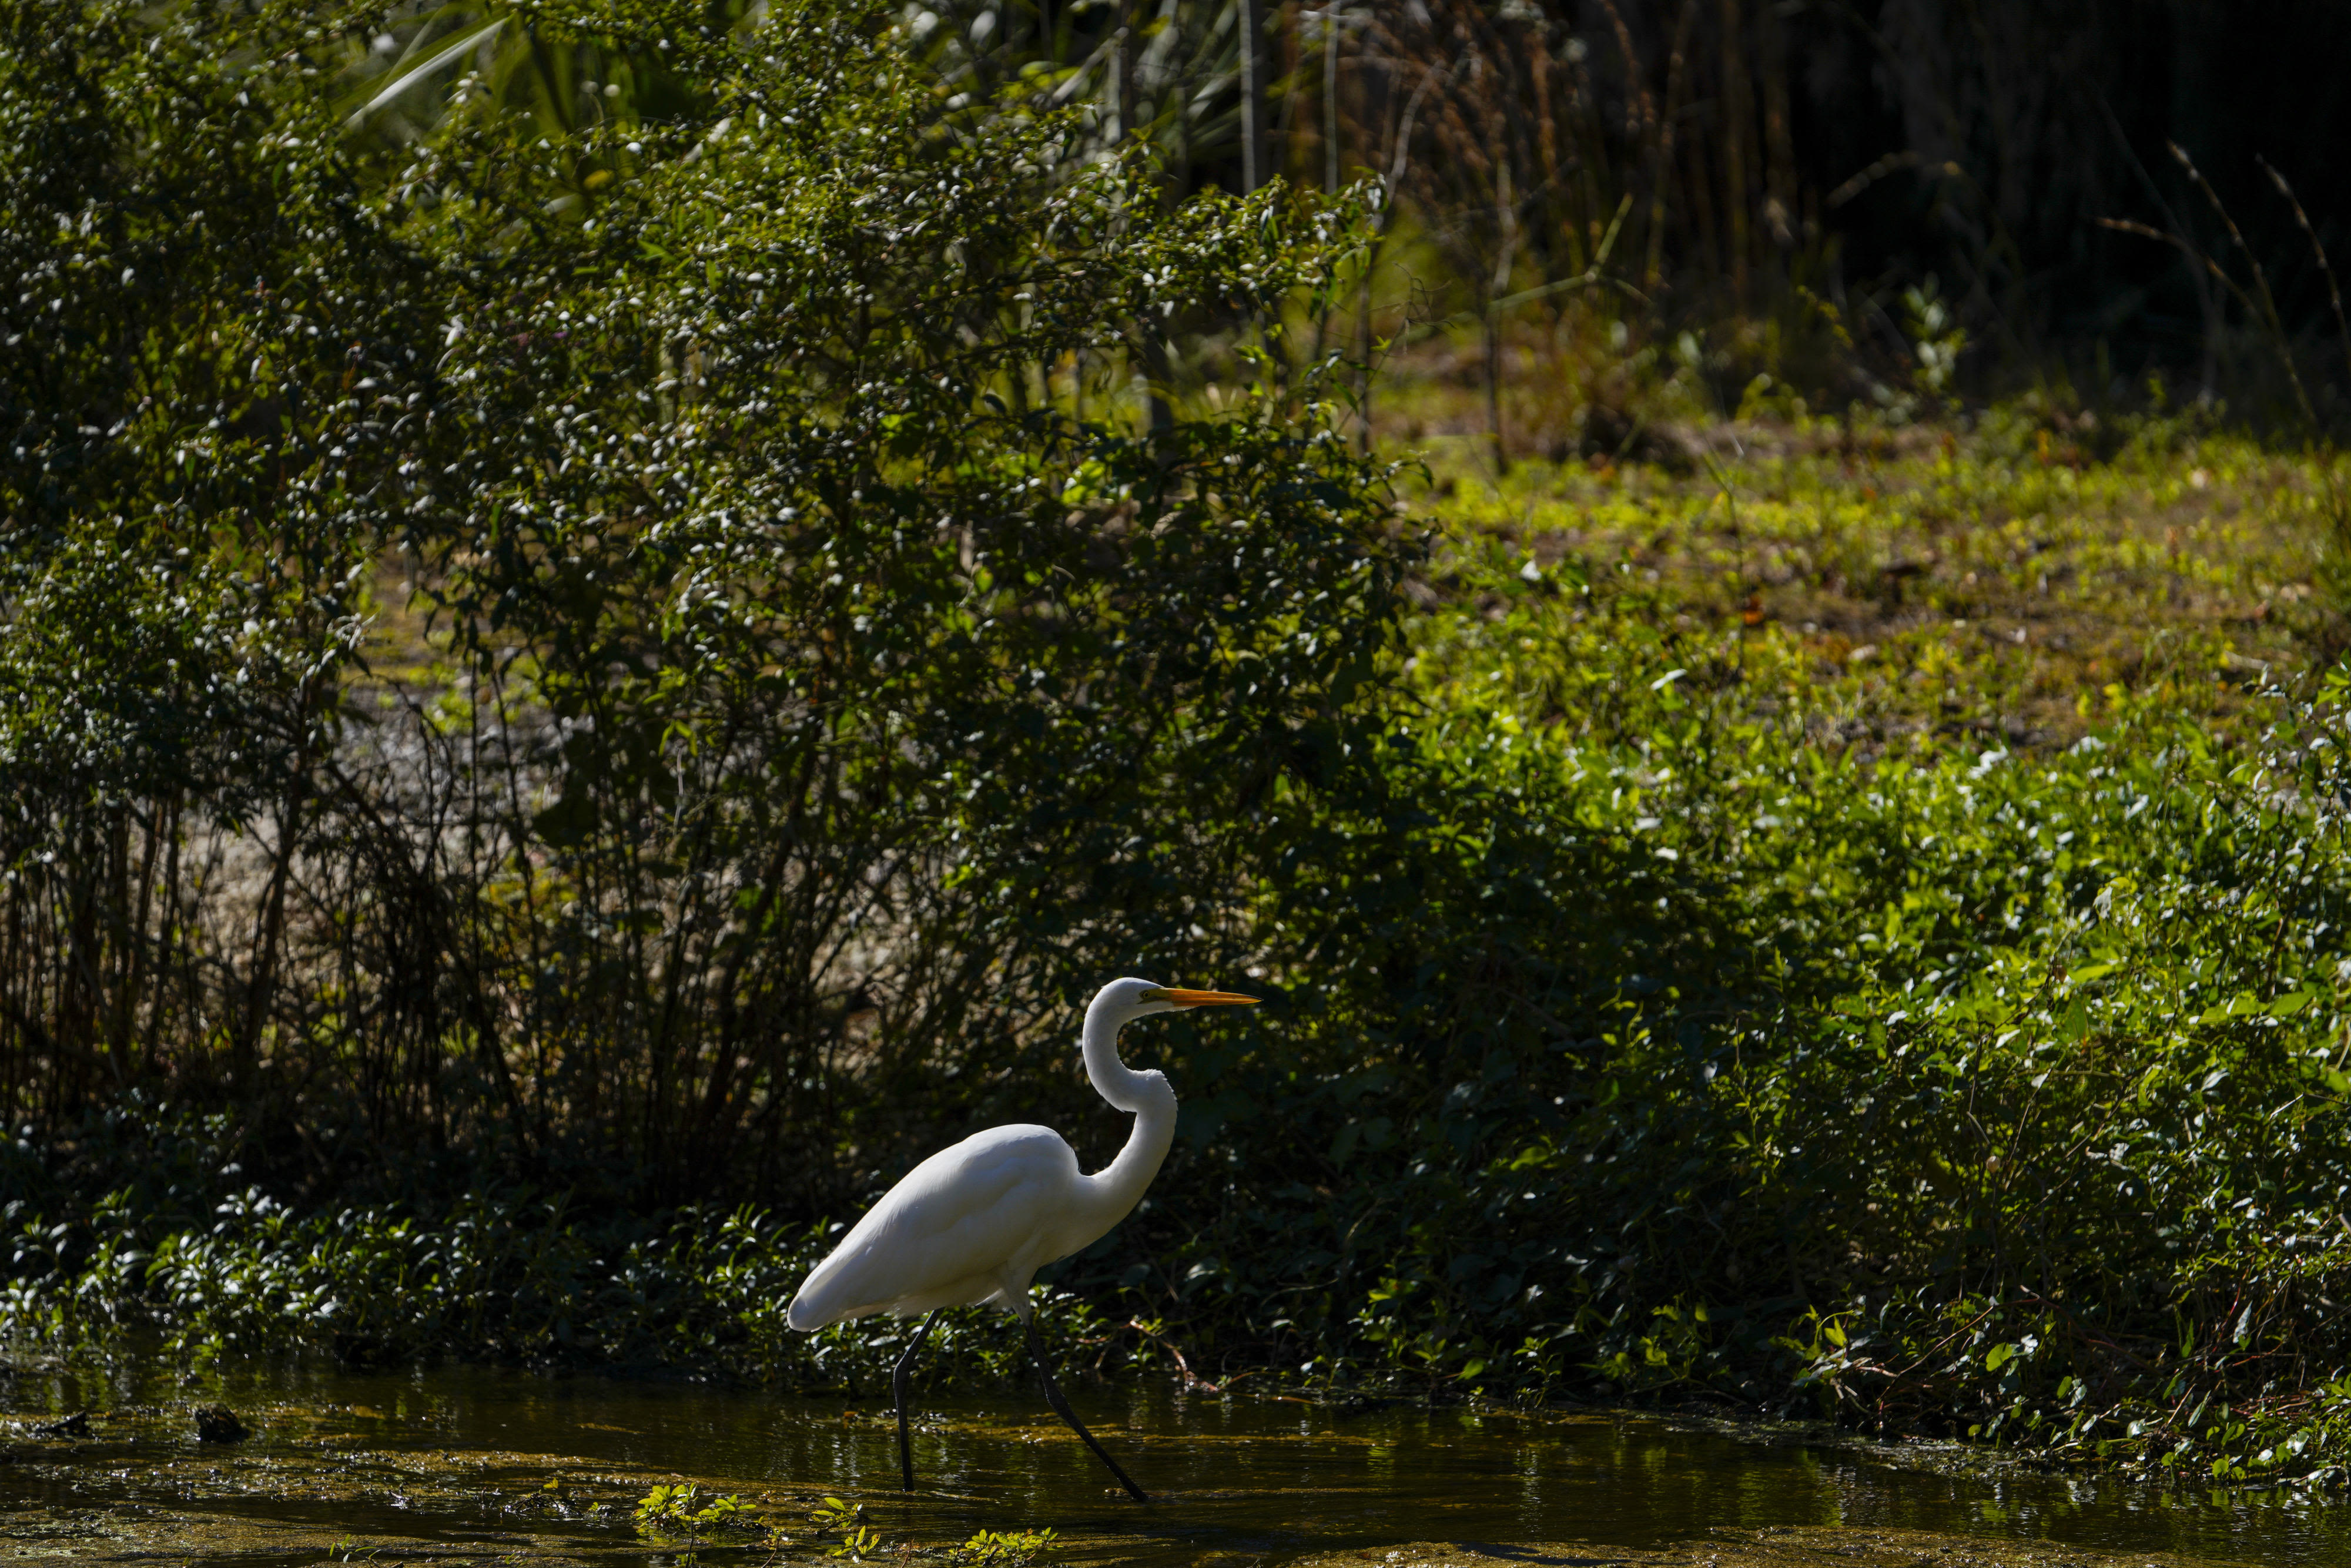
point(1632, 1035)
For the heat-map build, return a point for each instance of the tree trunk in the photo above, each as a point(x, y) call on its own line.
point(1506, 213)
point(1254, 172)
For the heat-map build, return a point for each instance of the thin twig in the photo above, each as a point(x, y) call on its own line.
point(2334, 293)
point(2260, 278)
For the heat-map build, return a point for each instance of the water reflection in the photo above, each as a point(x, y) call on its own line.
point(479, 1460)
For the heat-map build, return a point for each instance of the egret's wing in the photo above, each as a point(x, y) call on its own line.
point(960, 1215)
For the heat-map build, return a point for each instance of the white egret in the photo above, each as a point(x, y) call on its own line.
point(975, 1222)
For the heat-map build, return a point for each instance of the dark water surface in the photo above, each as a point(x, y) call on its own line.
point(466, 1463)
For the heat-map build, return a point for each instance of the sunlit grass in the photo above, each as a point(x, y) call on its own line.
point(1911, 588)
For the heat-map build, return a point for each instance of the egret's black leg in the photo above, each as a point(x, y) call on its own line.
point(898, 1382)
point(1062, 1408)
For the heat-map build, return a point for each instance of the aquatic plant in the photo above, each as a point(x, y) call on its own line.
point(683, 1509)
point(858, 1544)
point(1007, 1548)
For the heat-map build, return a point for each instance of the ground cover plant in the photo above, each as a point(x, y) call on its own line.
point(528, 803)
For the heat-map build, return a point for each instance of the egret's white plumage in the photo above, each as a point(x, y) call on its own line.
point(975, 1222)
point(972, 1223)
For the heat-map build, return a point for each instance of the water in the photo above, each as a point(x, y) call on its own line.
point(469, 1464)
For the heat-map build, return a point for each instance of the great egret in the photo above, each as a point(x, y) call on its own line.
point(975, 1222)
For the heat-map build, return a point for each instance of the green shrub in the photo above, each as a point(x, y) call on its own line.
point(654, 692)
point(1673, 1054)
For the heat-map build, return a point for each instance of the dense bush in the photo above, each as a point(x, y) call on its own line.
point(1975, 1094)
point(774, 689)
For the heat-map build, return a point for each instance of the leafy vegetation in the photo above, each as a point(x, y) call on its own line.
point(990, 1548)
point(683, 1510)
point(784, 681)
point(564, 730)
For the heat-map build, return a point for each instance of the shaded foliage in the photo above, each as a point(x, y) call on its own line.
point(780, 664)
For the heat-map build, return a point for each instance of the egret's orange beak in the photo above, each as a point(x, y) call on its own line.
point(1184, 999)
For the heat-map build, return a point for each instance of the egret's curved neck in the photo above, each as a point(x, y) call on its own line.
point(1119, 1186)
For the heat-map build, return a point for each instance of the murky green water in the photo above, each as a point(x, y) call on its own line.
point(471, 1464)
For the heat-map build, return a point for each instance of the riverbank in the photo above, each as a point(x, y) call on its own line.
point(1844, 925)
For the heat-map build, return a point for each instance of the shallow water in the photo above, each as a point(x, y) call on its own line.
point(466, 1463)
